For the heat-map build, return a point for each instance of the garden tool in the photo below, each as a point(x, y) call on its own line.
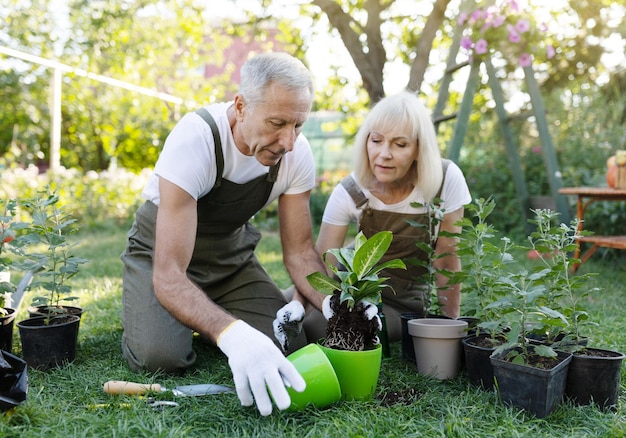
point(132, 388)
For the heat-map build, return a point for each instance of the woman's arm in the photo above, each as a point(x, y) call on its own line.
point(449, 296)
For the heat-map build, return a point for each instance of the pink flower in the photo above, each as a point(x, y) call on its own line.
point(525, 60)
point(522, 25)
point(478, 14)
point(466, 43)
point(481, 47)
point(514, 5)
point(498, 20)
point(462, 18)
point(550, 52)
point(514, 37)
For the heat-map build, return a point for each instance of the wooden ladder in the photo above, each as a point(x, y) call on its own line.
point(504, 120)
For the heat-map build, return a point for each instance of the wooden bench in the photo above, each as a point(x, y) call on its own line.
point(617, 242)
point(585, 197)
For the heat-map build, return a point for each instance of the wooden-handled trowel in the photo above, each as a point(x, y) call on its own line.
point(132, 388)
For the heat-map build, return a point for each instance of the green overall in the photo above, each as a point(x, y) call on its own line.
point(405, 293)
point(223, 265)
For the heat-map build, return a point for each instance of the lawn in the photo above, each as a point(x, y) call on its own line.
point(70, 402)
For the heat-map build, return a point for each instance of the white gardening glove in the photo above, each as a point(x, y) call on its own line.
point(288, 323)
point(258, 365)
point(370, 311)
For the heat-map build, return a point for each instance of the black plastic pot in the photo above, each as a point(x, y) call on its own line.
point(49, 346)
point(408, 352)
point(6, 329)
point(533, 389)
point(595, 378)
point(478, 366)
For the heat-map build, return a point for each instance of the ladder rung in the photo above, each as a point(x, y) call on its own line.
point(456, 67)
point(443, 118)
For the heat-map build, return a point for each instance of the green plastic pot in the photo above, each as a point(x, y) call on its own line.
point(322, 386)
point(357, 371)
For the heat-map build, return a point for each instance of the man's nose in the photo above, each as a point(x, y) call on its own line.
point(287, 138)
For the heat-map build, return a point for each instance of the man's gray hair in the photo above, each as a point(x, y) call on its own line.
point(266, 69)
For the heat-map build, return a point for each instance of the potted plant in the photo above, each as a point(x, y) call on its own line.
point(484, 263)
point(49, 337)
point(532, 374)
point(594, 373)
point(436, 339)
point(351, 341)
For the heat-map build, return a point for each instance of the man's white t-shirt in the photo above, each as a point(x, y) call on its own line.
point(341, 209)
point(188, 160)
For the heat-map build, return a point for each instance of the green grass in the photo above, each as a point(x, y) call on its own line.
point(70, 402)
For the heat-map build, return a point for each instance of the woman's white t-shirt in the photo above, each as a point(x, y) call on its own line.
point(341, 209)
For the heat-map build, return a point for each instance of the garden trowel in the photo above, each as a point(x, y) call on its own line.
point(132, 388)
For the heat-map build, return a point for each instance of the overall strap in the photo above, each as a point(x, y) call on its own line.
point(219, 154)
point(354, 191)
point(444, 164)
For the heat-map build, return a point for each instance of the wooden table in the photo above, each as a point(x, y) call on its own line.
point(587, 196)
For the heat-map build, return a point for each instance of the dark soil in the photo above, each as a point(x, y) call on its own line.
point(487, 341)
point(349, 329)
point(403, 397)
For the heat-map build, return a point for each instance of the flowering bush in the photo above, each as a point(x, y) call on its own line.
point(506, 28)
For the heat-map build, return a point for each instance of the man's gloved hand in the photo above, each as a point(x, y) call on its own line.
point(288, 323)
point(258, 365)
point(370, 310)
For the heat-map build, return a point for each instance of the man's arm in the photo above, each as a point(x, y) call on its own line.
point(257, 365)
point(299, 253)
point(449, 296)
point(176, 225)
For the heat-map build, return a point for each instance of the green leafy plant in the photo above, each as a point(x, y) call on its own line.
point(434, 217)
point(485, 261)
point(357, 281)
point(51, 227)
point(567, 292)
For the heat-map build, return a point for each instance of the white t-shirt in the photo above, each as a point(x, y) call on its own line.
point(341, 209)
point(188, 160)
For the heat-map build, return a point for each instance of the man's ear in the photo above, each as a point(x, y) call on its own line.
point(240, 107)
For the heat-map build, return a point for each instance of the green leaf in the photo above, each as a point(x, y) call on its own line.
point(370, 252)
point(323, 283)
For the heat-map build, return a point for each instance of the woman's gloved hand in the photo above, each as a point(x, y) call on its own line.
point(288, 323)
point(258, 365)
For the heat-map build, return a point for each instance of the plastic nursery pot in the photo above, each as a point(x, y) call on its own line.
point(437, 344)
point(408, 353)
point(357, 371)
point(49, 346)
point(533, 389)
point(322, 386)
point(595, 378)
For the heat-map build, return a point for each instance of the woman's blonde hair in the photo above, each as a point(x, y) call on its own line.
point(396, 112)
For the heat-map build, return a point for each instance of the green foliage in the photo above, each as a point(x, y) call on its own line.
point(51, 226)
point(485, 262)
point(359, 281)
point(92, 198)
point(568, 292)
point(544, 300)
point(434, 217)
